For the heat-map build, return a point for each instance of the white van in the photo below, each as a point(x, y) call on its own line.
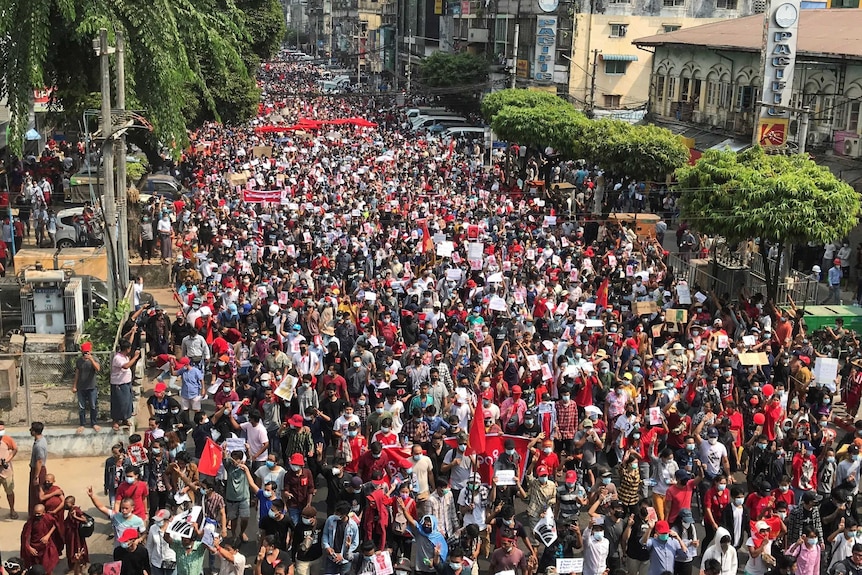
point(468, 132)
point(412, 113)
point(428, 121)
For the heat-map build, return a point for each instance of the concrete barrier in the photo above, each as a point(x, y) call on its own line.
point(65, 442)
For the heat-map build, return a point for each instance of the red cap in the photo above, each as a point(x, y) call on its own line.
point(805, 359)
point(837, 261)
point(487, 413)
point(86, 347)
point(541, 471)
point(128, 535)
point(161, 387)
point(662, 528)
point(296, 421)
point(297, 459)
point(183, 361)
point(516, 390)
point(571, 476)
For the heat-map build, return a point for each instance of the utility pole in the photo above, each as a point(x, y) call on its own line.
point(122, 188)
point(108, 166)
point(410, 41)
point(592, 102)
point(515, 48)
point(804, 118)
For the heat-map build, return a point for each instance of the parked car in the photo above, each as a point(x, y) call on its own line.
point(68, 235)
point(163, 185)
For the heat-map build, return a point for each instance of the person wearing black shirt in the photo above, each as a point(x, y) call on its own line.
point(353, 495)
point(306, 539)
point(529, 429)
point(270, 556)
point(335, 480)
point(277, 523)
point(132, 553)
point(331, 407)
point(436, 450)
point(201, 431)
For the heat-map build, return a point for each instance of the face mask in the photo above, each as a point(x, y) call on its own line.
point(830, 459)
point(125, 545)
point(157, 450)
point(357, 363)
point(739, 501)
point(782, 514)
point(727, 373)
point(126, 515)
point(713, 440)
point(528, 422)
point(812, 541)
point(598, 536)
point(352, 433)
point(761, 445)
point(606, 480)
point(714, 366)
point(204, 421)
point(454, 566)
point(462, 447)
point(548, 450)
point(272, 514)
point(175, 411)
point(417, 457)
point(689, 447)
point(543, 480)
point(486, 402)
point(130, 480)
point(784, 488)
point(663, 537)
point(570, 485)
point(226, 389)
point(267, 493)
point(721, 487)
point(636, 436)
point(510, 452)
point(578, 355)
point(566, 398)
point(270, 464)
point(379, 410)
point(295, 468)
point(686, 524)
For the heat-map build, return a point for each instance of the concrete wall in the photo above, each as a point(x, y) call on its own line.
point(65, 443)
point(593, 32)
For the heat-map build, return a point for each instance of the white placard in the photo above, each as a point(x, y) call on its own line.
point(683, 294)
point(475, 250)
point(232, 444)
point(655, 416)
point(183, 524)
point(825, 370)
point(505, 477)
point(570, 565)
point(453, 275)
point(497, 304)
point(383, 563)
point(546, 528)
point(487, 356)
point(445, 249)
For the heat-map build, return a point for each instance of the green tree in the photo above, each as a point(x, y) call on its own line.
point(175, 49)
point(458, 79)
point(264, 20)
point(783, 200)
point(494, 102)
point(641, 152)
point(544, 125)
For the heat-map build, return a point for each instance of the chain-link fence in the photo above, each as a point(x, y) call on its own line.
point(38, 387)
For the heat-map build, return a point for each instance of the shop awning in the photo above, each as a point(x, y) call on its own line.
point(620, 57)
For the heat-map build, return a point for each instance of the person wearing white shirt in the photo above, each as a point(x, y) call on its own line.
point(395, 408)
point(231, 561)
point(339, 428)
point(160, 550)
point(596, 550)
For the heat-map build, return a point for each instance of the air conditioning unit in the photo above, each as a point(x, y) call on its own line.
point(852, 148)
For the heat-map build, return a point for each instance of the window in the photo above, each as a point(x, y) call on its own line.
point(674, 2)
point(671, 89)
point(659, 89)
point(724, 95)
point(711, 93)
point(615, 67)
point(620, 1)
point(726, 4)
point(619, 30)
point(670, 28)
point(744, 97)
point(853, 119)
point(840, 116)
point(684, 88)
point(612, 101)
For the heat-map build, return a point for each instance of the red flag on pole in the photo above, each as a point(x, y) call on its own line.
point(476, 440)
point(427, 240)
point(210, 458)
point(602, 294)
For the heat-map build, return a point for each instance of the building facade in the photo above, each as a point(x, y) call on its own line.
point(707, 80)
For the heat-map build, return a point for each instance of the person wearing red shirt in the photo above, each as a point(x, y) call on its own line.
point(804, 468)
point(332, 377)
point(136, 490)
point(546, 456)
point(583, 388)
point(774, 416)
point(386, 330)
point(717, 498)
point(678, 426)
point(760, 500)
point(376, 458)
point(736, 425)
point(358, 446)
point(679, 496)
point(783, 492)
point(385, 436)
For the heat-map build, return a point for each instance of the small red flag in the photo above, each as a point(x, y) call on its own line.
point(602, 294)
point(210, 458)
point(476, 439)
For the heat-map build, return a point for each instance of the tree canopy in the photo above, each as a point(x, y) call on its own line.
point(783, 200)
point(461, 79)
point(539, 119)
point(186, 60)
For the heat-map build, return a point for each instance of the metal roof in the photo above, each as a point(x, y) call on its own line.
point(831, 33)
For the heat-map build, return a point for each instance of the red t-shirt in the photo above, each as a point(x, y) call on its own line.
point(716, 502)
point(137, 492)
point(678, 498)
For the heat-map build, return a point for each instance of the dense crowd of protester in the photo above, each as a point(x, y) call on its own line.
point(395, 309)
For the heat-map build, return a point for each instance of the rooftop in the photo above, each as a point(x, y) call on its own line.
point(822, 33)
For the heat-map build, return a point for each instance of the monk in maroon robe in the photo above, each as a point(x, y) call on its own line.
point(41, 541)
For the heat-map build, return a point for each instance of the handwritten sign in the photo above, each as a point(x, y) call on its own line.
point(572, 565)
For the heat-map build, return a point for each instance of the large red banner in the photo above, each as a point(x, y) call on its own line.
point(260, 196)
point(493, 449)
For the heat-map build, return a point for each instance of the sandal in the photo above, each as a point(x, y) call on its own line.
point(115, 426)
point(13, 515)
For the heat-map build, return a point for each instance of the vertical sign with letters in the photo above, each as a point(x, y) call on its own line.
point(781, 27)
point(546, 48)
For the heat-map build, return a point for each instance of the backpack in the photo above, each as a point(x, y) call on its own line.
point(86, 528)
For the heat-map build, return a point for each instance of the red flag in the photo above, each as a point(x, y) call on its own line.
point(427, 240)
point(210, 458)
point(476, 440)
point(602, 294)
